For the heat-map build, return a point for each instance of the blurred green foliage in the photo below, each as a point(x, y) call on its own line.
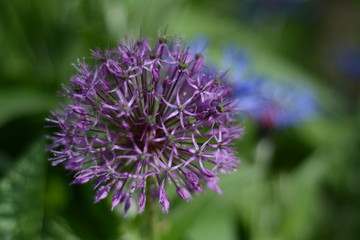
point(293, 184)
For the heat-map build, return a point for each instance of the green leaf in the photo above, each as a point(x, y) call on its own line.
point(210, 215)
point(21, 102)
point(22, 201)
point(58, 230)
point(5, 163)
point(21, 194)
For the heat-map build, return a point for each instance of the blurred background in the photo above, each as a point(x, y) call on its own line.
point(295, 67)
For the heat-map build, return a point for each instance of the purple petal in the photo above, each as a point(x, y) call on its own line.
point(102, 193)
point(184, 193)
point(141, 202)
point(163, 199)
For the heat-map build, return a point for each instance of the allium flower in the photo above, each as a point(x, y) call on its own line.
point(141, 117)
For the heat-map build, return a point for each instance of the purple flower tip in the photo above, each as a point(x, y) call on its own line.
point(102, 193)
point(141, 116)
point(141, 202)
point(184, 193)
point(127, 204)
point(163, 199)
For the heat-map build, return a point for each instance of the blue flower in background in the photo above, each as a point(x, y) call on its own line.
point(199, 44)
point(347, 62)
point(235, 60)
point(284, 105)
point(270, 103)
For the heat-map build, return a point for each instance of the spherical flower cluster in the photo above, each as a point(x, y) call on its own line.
point(142, 117)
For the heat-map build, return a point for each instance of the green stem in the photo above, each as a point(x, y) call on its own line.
point(153, 220)
point(152, 212)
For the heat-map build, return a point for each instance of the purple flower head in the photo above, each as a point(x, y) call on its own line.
point(142, 116)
